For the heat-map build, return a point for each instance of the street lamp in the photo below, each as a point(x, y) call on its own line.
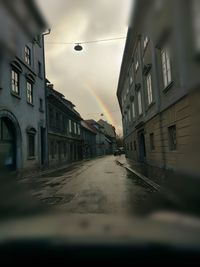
point(78, 47)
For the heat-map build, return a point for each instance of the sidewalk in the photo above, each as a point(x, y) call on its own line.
point(49, 170)
point(183, 190)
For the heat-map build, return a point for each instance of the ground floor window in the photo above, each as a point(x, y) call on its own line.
point(172, 138)
point(135, 146)
point(31, 132)
point(152, 141)
point(65, 150)
point(52, 149)
point(131, 146)
point(31, 145)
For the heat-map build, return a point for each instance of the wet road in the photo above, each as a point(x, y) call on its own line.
point(96, 186)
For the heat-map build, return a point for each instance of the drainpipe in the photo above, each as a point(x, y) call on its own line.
point(46, 162)
point(158, 96)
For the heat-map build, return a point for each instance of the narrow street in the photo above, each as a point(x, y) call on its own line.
point(98, 186)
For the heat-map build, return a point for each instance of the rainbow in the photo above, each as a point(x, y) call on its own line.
point(101, 104)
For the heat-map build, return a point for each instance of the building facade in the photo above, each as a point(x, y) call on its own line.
point(64, 129)
point(159, 83)
point(22, 87)
point(100, 137)
point(88, 135)
point(110, 134)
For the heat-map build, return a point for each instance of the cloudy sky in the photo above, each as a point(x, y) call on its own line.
point(88, 78)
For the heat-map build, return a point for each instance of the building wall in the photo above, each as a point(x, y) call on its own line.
point(169, 24)
point(23, 114)
point(88, 143)
point(178, 114)
point(64, 141)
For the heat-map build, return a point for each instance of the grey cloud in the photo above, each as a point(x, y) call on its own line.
point(75, 20)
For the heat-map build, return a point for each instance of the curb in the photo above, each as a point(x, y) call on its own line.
point(54, 169)
point(49, 171)
point(142, 177)
point(169, 195)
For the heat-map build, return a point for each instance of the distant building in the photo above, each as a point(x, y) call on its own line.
point(64, 129)
point(159, 75)
point(100, 137)
point(22, 87)
point(110, 134)
point(88, 135)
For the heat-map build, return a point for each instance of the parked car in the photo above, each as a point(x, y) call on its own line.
point(117, 152)
point(122, 150)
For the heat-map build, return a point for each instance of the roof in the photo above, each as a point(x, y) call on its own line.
point(60, 97)
point(92, 123)
point(88, 127)
point(109, 129)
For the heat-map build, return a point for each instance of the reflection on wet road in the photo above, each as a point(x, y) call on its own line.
point(96, 186)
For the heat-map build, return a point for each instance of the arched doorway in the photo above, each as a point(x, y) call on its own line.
point(7, 144)
point(10, 142)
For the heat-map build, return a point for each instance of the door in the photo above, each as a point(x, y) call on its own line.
point(42, 135)
point(7, 145)
point(142, 147)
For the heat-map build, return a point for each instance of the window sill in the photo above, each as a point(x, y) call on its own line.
point(31, 158)
point(168, 87)
point(151, 105)
point(15, 95)
point(31, 104)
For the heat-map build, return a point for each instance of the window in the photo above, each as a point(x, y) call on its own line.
point(65, 150)
point(129, 115)
point(152, 144)
point(70, 126)
point(172, 138)
point(149, 89)
point(133, 109)
point(51, 116)
point(52, 150)
point(135, 146)
point(41, 104)
point(196, 23)
point(130, 75)
point(131, 146)
point(166, 67)
point(57, 120)
point(31, 145)
point(126, 119)
point(75, 129)
point(29, 89)
point(127, 91)
point(27, 55)
point(146, 41)
point(15, 82)
point(124, 98)
point(79, 129)
point(63, 123)
point(39, 69)
point(139, 102)
point(136, 66)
